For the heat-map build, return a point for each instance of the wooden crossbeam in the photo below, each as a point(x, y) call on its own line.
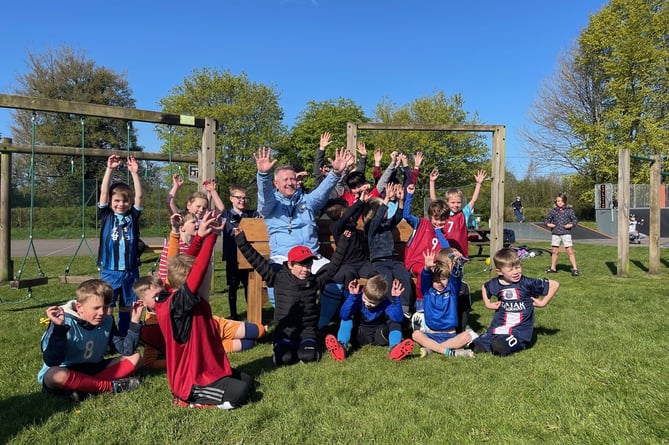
point(74, 279)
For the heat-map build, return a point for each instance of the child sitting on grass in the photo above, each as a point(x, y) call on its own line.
point(441, 283)
point(77, 339)
point(517, 296)
point(296, 310)
point(372, 318)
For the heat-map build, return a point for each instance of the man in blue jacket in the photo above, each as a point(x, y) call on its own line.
point(290, 215)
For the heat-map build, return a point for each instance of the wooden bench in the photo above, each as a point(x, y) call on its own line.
point(256, 233)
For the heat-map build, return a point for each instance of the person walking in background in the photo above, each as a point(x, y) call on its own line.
point(561, 219)
point(517, 207)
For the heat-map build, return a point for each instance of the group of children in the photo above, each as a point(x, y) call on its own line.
point(180, 333)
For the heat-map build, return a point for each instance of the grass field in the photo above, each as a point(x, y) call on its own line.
point(598, 373)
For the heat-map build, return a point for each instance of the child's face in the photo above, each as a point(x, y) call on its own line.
point(189, 227)
point(301, 270)
point(440, 285)
point(93, 310)
point(148, 297)
point(437, 223)
point(238, 200)
point(510, 274)
point(120, 203)
point(197, 206)
point(454, 203)
point(559, 202)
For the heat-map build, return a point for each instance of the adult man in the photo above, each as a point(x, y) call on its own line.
point(290, 215)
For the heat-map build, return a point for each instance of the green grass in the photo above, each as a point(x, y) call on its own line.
point(598, 373)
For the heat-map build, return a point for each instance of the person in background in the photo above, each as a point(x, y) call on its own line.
point(517, 207)
point(561, 219)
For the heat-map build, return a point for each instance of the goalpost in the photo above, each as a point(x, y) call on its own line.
point(498, 168)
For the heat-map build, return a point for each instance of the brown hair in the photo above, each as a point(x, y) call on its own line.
point(438, 209)
point(144, 283)
point(198, 195)
point(371, 207)
point(121, 188)
point(443, 265)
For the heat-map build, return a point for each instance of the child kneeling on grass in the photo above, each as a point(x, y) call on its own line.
point(513, 322)
point(198, 371)
point(77, 339)
point(374, 318)
point(441, 282)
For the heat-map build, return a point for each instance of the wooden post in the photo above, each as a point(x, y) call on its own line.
point(351, 137)
point(654, 223)
point(5, 214)
point(623, 211)
point(497, 190)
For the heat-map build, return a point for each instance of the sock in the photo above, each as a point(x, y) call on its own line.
point(344, 333)
point(253, 330)
point(331, 296)
point(247, 344)
point(270, 295)
point(123, 323)
point(394, 338)
point(118, 370)
point(78, 381)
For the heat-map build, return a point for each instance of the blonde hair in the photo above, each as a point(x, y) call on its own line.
point(454, 192)
point(444, 264)
point(94, 288)
point(178, 268)
point(198, 195)
point(376, 288)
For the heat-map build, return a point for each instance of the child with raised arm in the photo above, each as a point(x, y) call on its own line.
point(198, 202)
point(198, 370)
point(296, 310)
point(369, 317)
point(517, 295)
point(119, 210)
point(79, 335)
point(441, 282)
point(427, 235)
point(378, 226)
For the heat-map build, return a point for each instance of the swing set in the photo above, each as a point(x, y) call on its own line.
point(205, 161)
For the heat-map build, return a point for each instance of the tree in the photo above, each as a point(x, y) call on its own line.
point(68, 75)
point(457, 155)
point(317, 118)
point(248, 115)
point(611, 91)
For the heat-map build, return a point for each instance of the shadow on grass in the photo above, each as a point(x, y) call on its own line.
point(21, 411)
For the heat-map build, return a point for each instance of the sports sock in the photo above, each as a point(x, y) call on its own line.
point(331, 296)
point(394, 338)
point(118, 370)
point(78, 381)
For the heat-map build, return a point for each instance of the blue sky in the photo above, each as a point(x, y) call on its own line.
point(495, 54)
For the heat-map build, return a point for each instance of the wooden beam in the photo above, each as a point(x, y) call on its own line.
point(74, 279)
point(623, 212)
point(420, 127)
point(7, 147)
point(86, 109)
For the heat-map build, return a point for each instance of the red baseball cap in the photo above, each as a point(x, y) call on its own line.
point(300, 253)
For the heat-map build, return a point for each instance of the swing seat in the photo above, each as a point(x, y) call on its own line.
point(74, 279)
point(29, 282)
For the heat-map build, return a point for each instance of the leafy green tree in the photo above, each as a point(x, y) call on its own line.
point(610, 92)
point(248, 115)
point(317, 118)
point(457, 155)
point(67, 74)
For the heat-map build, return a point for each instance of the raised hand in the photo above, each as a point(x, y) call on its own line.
point(434, 174)
point(397, 288)
point(325, 140)
point(430, 257)
point(361, 148)
point(132, 164)
point(264, 163)
point(114, 161)
point(411, 188)
point(378, 156)
point(418, 159)
point(56, 315)
point(480, 176)
point(353, 287)
point(342, 157)
point(177, 180)
point(209, 184)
